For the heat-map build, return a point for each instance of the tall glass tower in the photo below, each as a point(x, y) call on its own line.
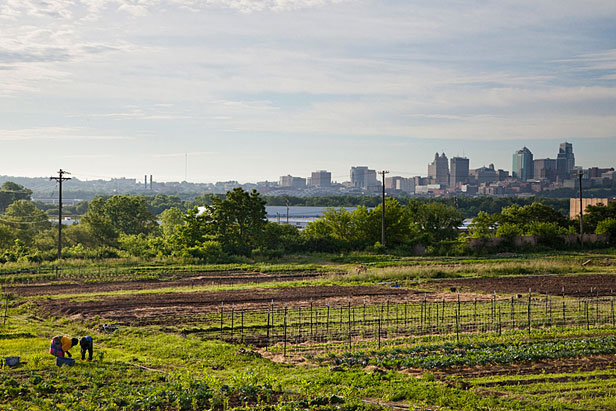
point(523, 167)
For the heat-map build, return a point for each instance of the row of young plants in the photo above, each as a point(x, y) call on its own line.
point(449, 355)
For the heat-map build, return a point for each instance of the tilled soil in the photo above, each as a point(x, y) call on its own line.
point(174, 308)
point(581, 364)
point(79, 287)
point(584, 285)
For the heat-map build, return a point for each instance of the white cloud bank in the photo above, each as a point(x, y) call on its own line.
point(196, 72)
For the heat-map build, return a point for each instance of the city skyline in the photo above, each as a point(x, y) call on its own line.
point(254, 89)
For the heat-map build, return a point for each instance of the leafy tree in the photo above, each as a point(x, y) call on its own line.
point(7, 236)
point(126, 214)
point(161, 202)
point(536, 212)
point(594, 214)
point(339, 224)
point(95, 230)
point(398, 225)
point(544, 229)
point(11, 192)
point(608, 227)
point(508, 230)
point(281, 237)
point(483, 226)
point(26, 219)
point(438, 221)
point(236, 221)
point(171, 219)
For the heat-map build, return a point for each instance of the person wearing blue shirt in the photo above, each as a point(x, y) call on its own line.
point(86, 344)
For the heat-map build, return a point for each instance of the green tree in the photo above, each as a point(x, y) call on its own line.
point(608, 227)
point(594, 214)
point(171, 219)
point(11, 192)
point(535, 212)
point(26, 219)
point(161, 202)
point(483, 226)
point(7, 236)
point(126, 214)
point(438, 221)
point(508, 230)
point(236, 221)
point(95, 230)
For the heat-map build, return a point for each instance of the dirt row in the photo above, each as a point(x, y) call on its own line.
point(585, 285)
point(171, 308)
point(577, 364)
point(203, 279)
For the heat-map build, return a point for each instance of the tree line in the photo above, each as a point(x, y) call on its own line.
point(230, 227)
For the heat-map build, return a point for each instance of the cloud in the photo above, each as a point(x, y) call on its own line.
point(182, 155)
point(54, 133)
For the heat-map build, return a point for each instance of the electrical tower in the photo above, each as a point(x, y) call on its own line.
point(60, 179)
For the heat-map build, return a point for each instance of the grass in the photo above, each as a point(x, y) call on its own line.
point(144, 369)
point(139, 368)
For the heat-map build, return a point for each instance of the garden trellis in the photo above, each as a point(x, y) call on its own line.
point(315, 326)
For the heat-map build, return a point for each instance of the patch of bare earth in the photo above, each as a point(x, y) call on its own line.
point(194, 280)
point(584, 285)
point(184, 307)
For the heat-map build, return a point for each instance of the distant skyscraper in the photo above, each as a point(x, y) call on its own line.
point(458, 171)
point(523, 167)
point(545, 169)
point(484, 175)
point(397, 183)
point(321, 178)
point(294, 182)
point(565, 161)
point(363, 177)
point(438, 171)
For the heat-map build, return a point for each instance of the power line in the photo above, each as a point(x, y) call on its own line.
point(24, 222)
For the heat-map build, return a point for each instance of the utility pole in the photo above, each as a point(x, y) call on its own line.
point(60, 179)
point(580, 174)
point(382, 173)
point(287, 203)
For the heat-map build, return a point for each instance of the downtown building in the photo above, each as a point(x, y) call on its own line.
point(438, 170)
point(364, 178)
point(458, 171)
point(292, 182)
point(565, 161)
point(522, 165)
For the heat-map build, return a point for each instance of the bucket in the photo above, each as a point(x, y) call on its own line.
point(64, 361)
point(11, 361)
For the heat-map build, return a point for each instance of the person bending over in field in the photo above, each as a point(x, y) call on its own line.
point(60, 345)
point(86, 344)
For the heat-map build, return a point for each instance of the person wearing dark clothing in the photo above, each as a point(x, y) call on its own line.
point(86, 344)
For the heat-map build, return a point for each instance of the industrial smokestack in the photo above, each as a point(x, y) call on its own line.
point(151, 182)
point(145, 182)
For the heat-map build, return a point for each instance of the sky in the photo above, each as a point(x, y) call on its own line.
point(249, 90)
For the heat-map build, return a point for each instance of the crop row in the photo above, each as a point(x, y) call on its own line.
point(460, 354)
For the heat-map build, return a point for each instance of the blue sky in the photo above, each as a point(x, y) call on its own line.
point(255, 89)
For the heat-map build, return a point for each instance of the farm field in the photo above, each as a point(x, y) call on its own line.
point(365, 335)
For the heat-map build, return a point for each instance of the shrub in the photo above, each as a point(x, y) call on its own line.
point(608, 227)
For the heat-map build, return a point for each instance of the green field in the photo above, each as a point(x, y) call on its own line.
point(430, 355)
